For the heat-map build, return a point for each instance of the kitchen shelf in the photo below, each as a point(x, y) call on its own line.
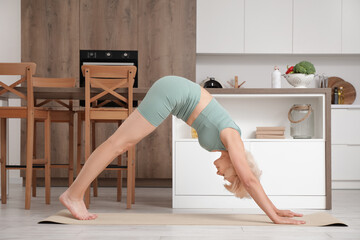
point(273, 95)
point(279, 159)
point(344, 106)
point(263, 140)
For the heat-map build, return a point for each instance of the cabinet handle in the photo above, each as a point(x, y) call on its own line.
point(353, 145)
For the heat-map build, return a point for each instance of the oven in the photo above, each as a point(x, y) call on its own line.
point(108, 57)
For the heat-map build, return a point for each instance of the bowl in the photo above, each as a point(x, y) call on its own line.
point(299, 80)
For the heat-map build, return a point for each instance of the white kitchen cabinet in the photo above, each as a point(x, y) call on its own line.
point(350, 26)
point(294, 170)
point(268, 26)
point(345, 126)
point(220, 26)
point(345, 149)
point(193, 162)
point(346, 162)
point(291, 168)
point(317, 26)
point(278, 26)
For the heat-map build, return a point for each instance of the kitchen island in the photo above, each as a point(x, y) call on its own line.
point(296, 172)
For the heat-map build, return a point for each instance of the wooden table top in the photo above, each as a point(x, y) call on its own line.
point(139, 93)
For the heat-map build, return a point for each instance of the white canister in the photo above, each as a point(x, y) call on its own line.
point(276, 78)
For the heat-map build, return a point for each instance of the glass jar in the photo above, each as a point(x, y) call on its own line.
point(301, 119)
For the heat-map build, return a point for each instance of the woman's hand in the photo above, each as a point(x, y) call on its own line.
point(284, 217)
point(287, 213)
point(285, 220)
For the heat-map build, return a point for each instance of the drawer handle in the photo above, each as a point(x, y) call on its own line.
point(353, 144)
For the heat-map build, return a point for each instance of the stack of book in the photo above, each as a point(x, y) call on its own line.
point(270, 132)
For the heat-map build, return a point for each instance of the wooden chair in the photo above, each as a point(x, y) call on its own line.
point(58, 116)
point(30, 113)
point(108, 79)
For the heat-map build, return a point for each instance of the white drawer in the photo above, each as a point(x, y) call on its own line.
point(345, 126)
point(345, 162)
point(291, 168)
point(195, 172)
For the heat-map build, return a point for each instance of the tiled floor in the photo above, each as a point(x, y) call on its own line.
point(17, 223)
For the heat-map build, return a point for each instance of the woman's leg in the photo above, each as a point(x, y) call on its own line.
point(134, 128)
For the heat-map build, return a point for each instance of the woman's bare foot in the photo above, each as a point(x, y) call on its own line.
point(76, 207)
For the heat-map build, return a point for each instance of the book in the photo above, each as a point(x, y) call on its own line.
point(270, 128)
point(262, 136)
point(279, 132)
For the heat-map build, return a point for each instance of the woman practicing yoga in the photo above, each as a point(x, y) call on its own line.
point(216, 132)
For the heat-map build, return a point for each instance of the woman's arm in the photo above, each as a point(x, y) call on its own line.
point(236, 150)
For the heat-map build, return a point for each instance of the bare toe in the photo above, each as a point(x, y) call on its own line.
point(76, 207)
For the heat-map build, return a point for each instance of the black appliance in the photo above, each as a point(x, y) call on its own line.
point(108, 57)
point(212, 83)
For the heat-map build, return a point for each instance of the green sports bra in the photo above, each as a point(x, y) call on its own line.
point(210, 122)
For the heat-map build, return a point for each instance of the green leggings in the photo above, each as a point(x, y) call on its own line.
point(170, 95)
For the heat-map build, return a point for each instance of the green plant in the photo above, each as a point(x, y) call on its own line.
point(304, 67)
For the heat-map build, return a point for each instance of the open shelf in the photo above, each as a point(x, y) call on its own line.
point(260, 110)
point(261, 140)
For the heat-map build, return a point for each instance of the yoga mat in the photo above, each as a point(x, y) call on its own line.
point(64, 217)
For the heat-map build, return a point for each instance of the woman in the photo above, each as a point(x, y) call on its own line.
point(216, 132)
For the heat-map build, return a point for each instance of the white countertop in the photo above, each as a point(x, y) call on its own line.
point(343, 106)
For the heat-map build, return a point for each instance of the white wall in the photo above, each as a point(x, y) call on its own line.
point(256, 69)
point(10, 51)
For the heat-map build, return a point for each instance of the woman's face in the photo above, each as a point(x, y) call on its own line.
point(224, 165)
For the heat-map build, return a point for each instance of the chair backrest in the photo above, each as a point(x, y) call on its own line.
point(108, 79)
point(25, 70)
point(54, 83)
point(17, 68)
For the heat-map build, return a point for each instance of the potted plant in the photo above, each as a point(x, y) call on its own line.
point(300, 75)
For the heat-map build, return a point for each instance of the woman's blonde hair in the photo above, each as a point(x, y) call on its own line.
point(237, 187)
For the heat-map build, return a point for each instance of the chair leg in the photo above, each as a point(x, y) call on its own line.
point(129, 178)
point(87, 153)
point(34, 170)
point(3, 161)
point(34, 182)
point(47, 138)
point(119, 179)
point(95, 182)
point(29, 159)
point(71, 149)
point(119, 175)
point(133, 175)
point(78, 145)
point(95, 187)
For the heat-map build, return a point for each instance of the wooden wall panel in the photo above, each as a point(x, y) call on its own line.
point(166, 36)
point(163, 31)
point(50, 38)
point(33, 34)
point(108, 24)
